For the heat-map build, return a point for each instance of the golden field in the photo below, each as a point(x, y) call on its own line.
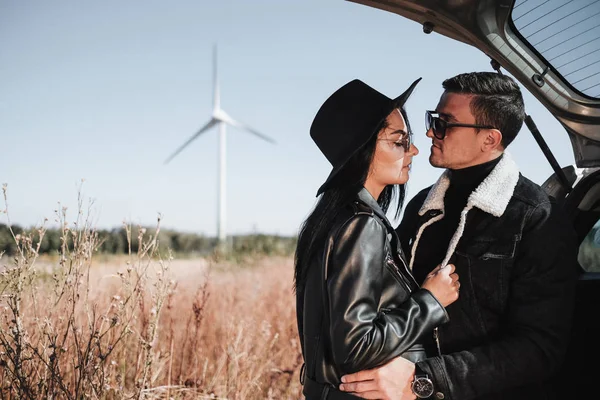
point(83, 325)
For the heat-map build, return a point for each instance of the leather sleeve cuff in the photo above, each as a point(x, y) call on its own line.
point(438, 313)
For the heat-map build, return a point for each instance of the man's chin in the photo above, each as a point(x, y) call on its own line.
point(435, 162)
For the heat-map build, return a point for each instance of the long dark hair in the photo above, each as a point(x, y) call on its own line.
point(341, 192)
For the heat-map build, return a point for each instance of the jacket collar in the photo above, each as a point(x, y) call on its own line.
point(491, 196)
point(365, 196)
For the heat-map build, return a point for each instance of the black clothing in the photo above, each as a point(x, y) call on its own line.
point(462, 183)
point(517, 263)
point(360, 306)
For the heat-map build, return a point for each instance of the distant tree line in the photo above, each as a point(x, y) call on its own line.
point(115, 241)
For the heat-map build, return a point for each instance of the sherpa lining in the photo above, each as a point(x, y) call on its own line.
point(491, 196)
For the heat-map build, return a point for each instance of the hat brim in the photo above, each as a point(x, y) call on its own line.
point(398, 102)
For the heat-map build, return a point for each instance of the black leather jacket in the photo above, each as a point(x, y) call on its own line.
point(509, 328)
point(360, 306)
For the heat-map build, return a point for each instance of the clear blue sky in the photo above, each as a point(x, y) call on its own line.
point(106, 91)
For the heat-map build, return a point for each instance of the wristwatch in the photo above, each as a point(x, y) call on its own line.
point(422, 386)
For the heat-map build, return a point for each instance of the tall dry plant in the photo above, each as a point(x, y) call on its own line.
point(146, 326)
point(65, 349)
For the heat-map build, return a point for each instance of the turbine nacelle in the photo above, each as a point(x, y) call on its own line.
point(222, 116)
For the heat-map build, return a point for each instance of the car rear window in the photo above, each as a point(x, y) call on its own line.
point(566, 33)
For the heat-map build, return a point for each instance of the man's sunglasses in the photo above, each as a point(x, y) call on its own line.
point(439, 126)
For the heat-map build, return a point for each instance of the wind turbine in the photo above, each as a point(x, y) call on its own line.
point(220, 118)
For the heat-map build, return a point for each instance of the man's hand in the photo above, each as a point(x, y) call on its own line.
point(391, 381)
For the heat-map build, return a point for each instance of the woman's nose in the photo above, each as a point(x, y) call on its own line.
point(414, 150)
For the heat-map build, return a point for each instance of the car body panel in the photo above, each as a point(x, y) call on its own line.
point(487, 25)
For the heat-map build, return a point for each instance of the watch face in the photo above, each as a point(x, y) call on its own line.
point(422, 387)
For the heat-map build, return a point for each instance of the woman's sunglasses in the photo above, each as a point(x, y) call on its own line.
point(439, 126)
point(405, 142)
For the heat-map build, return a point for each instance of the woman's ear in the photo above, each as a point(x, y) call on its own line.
point(492, 141)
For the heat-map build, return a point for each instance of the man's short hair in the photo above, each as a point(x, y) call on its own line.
point(497, 101)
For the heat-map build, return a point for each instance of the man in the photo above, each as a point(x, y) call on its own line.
point(514, 249)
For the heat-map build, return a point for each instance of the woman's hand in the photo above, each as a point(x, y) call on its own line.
point(443, 284)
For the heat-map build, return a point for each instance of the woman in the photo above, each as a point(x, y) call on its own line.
point(358, 305)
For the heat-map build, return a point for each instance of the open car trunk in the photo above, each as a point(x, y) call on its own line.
point(553, 49)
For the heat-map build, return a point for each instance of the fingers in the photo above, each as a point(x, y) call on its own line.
point(451, 268)
point(435, 270)
point(448, 269)
point(366, 375)
point(359, 387)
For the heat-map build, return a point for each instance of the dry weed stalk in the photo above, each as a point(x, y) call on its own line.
point(74, 330)
point(65, 349)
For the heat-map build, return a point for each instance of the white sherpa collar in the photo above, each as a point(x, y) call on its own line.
point(491, 196)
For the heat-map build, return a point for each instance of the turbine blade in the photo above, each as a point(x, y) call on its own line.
point(206, 127)
point(222, 115)
point(257, 133)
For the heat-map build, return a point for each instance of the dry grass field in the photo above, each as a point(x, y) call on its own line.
point(83, 325)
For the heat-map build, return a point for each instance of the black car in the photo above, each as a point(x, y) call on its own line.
point(553, 48)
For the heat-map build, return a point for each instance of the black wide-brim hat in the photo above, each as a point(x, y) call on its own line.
point(348, 119)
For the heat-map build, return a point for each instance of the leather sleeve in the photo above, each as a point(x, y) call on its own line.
point(363, 336)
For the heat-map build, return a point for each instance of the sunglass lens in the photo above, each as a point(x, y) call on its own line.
point(427, 121)
point(439, 128)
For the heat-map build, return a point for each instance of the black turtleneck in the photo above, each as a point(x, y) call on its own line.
point(436, 238)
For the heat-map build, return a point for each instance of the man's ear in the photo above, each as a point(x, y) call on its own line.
point(492, 141)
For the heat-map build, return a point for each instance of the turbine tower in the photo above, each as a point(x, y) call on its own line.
point(220, 118)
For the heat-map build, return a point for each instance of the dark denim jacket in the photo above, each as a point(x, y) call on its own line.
point(516, 257)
